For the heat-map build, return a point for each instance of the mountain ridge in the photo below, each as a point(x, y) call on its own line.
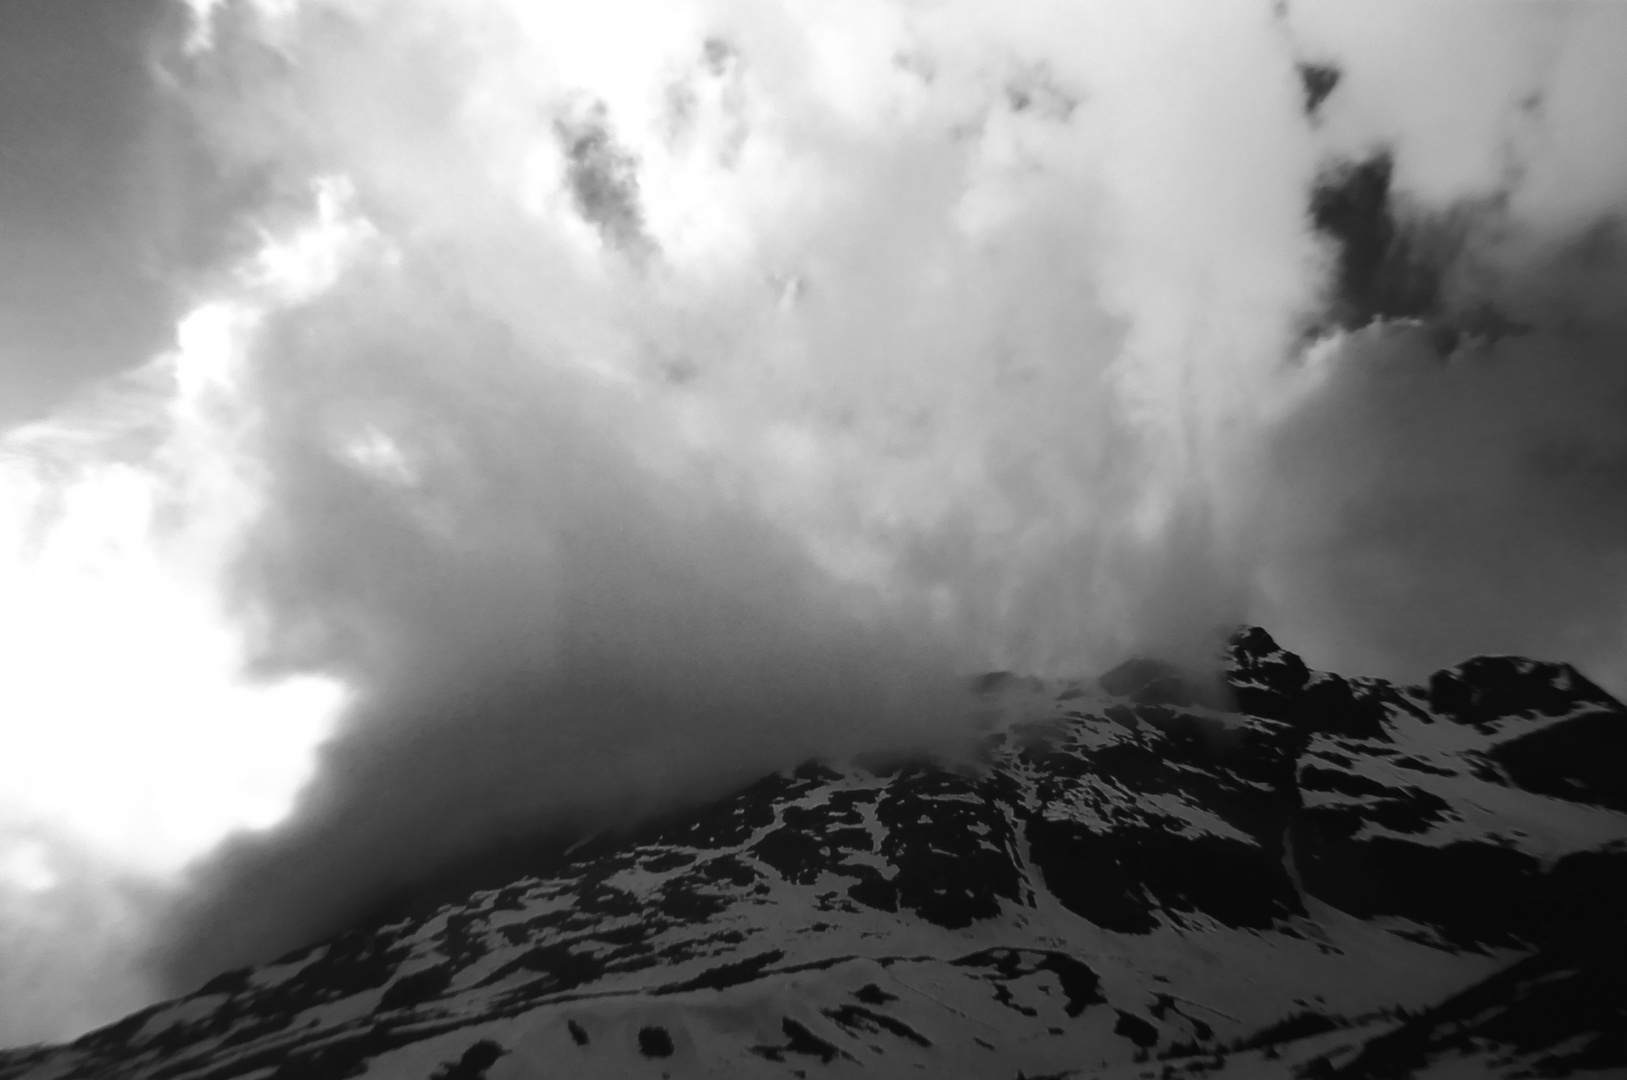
point(1324, 876)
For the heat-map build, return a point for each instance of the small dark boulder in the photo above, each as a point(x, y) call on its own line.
point(654, 1041)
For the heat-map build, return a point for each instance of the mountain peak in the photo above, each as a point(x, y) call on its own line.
point(1486, 689)
point(1320, 876)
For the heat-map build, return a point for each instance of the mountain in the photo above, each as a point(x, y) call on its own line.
point(1293, 875)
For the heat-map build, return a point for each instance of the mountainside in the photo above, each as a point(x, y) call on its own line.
point(1327, 877)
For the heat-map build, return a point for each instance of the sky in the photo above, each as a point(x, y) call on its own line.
point(92, 199)
point(431, 427)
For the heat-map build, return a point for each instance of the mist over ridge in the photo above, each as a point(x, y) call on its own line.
point(589, 419)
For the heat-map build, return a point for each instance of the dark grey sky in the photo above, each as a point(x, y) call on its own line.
point(88, 199)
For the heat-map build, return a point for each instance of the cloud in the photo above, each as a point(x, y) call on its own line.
point(705, 407)
point(74, 930)
point(1448, 480)
point(609, 417)
point(1443, 494)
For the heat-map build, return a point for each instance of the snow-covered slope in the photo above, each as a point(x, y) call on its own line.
point(1321, 877)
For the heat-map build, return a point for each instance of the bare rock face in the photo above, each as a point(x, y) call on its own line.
point(1294, 874)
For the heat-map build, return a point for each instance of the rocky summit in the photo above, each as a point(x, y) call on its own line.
point(1294, 875)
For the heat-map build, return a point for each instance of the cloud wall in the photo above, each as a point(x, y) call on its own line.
point(599, 406)
point(1449, 480)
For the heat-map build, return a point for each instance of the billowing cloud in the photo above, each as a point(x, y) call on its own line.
point(1450, 480)
point(602, 415)
point(724, 396)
